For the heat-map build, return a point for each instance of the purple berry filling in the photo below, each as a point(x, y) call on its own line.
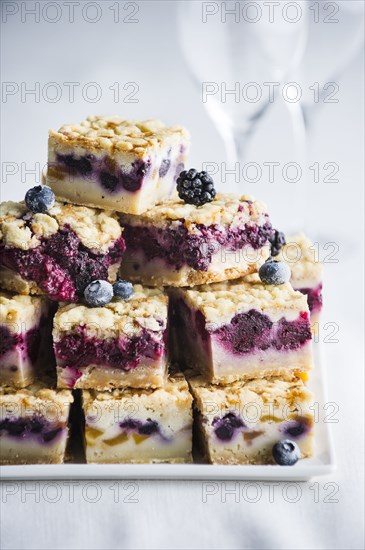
point(297, 428)
point(112, 177)
point(28, 342)
point(79, 351)
point(61, 266)
point(177, 247)
point(314, 297)
point(35, 428)
point(254, 330)
point(80, 166)
point(8, 340)
point(226, 427)
point(70, 376)
point(164, 168)
point(149, 427)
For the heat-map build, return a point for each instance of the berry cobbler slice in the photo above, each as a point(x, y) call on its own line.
point(139, 426)
point(23, 333)
point(117, 164)
point(34, 424)
point(241, 422)
point(306, 272)
point(180, 244)
point(120, 344)
point(241, 329)
point(57, 253)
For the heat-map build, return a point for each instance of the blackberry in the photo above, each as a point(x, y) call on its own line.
point(277, 242)
point(195, 187)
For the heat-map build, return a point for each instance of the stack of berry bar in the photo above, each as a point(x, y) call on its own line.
point(131, 281)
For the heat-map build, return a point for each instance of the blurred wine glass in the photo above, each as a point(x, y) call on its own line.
point(335, 36)
point(234, 62)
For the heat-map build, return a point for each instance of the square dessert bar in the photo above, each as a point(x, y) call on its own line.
point(34, 424)
point(120, 344)
point(58, 253)
point(179, 244)
point(241, 422)
point(117, 164)
point(241, 329)
point(139, 426)
point(306, 273)
point(23, 332)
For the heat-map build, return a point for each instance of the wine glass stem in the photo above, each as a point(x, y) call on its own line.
point(300, 135)
point(240, 139)
point(235, 145)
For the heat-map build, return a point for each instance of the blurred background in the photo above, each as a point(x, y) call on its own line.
point(272, 93)
point(275, 86)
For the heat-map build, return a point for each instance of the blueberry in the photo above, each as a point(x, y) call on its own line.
point(108, 181)
point(39, 199)
point(50, 435)
point(98, 293)
point(226, 426)
point(286, 452)
point(274, 273)
point(150, 427)
point(224, 432)
point(16, 427)
point(130, 424)
point(123, 289)
point(80, 165)
point(297, 427)
point(36, 426)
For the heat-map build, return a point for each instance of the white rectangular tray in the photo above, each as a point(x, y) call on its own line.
point(322, 463)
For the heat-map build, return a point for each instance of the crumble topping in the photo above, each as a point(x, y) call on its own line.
point(261, 392)
point(147, 309)
point(95, 228)
point(300, 255)
point(115, 134)
point(15, 283)
point(33, 396)
point(220, 301)
point(20, 309)
point(44, 225)
point(225, 209)
point(16, 234)
point(175, 388)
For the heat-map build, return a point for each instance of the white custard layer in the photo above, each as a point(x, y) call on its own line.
point(15, 450)
point(250, 447)
point(259, 364)
point(18, 315)
point(89, 191)
point(110, 440)
point(201, 312)
point(240, 422)
point(136, 449)
point(16, 368)
point(221, 367)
